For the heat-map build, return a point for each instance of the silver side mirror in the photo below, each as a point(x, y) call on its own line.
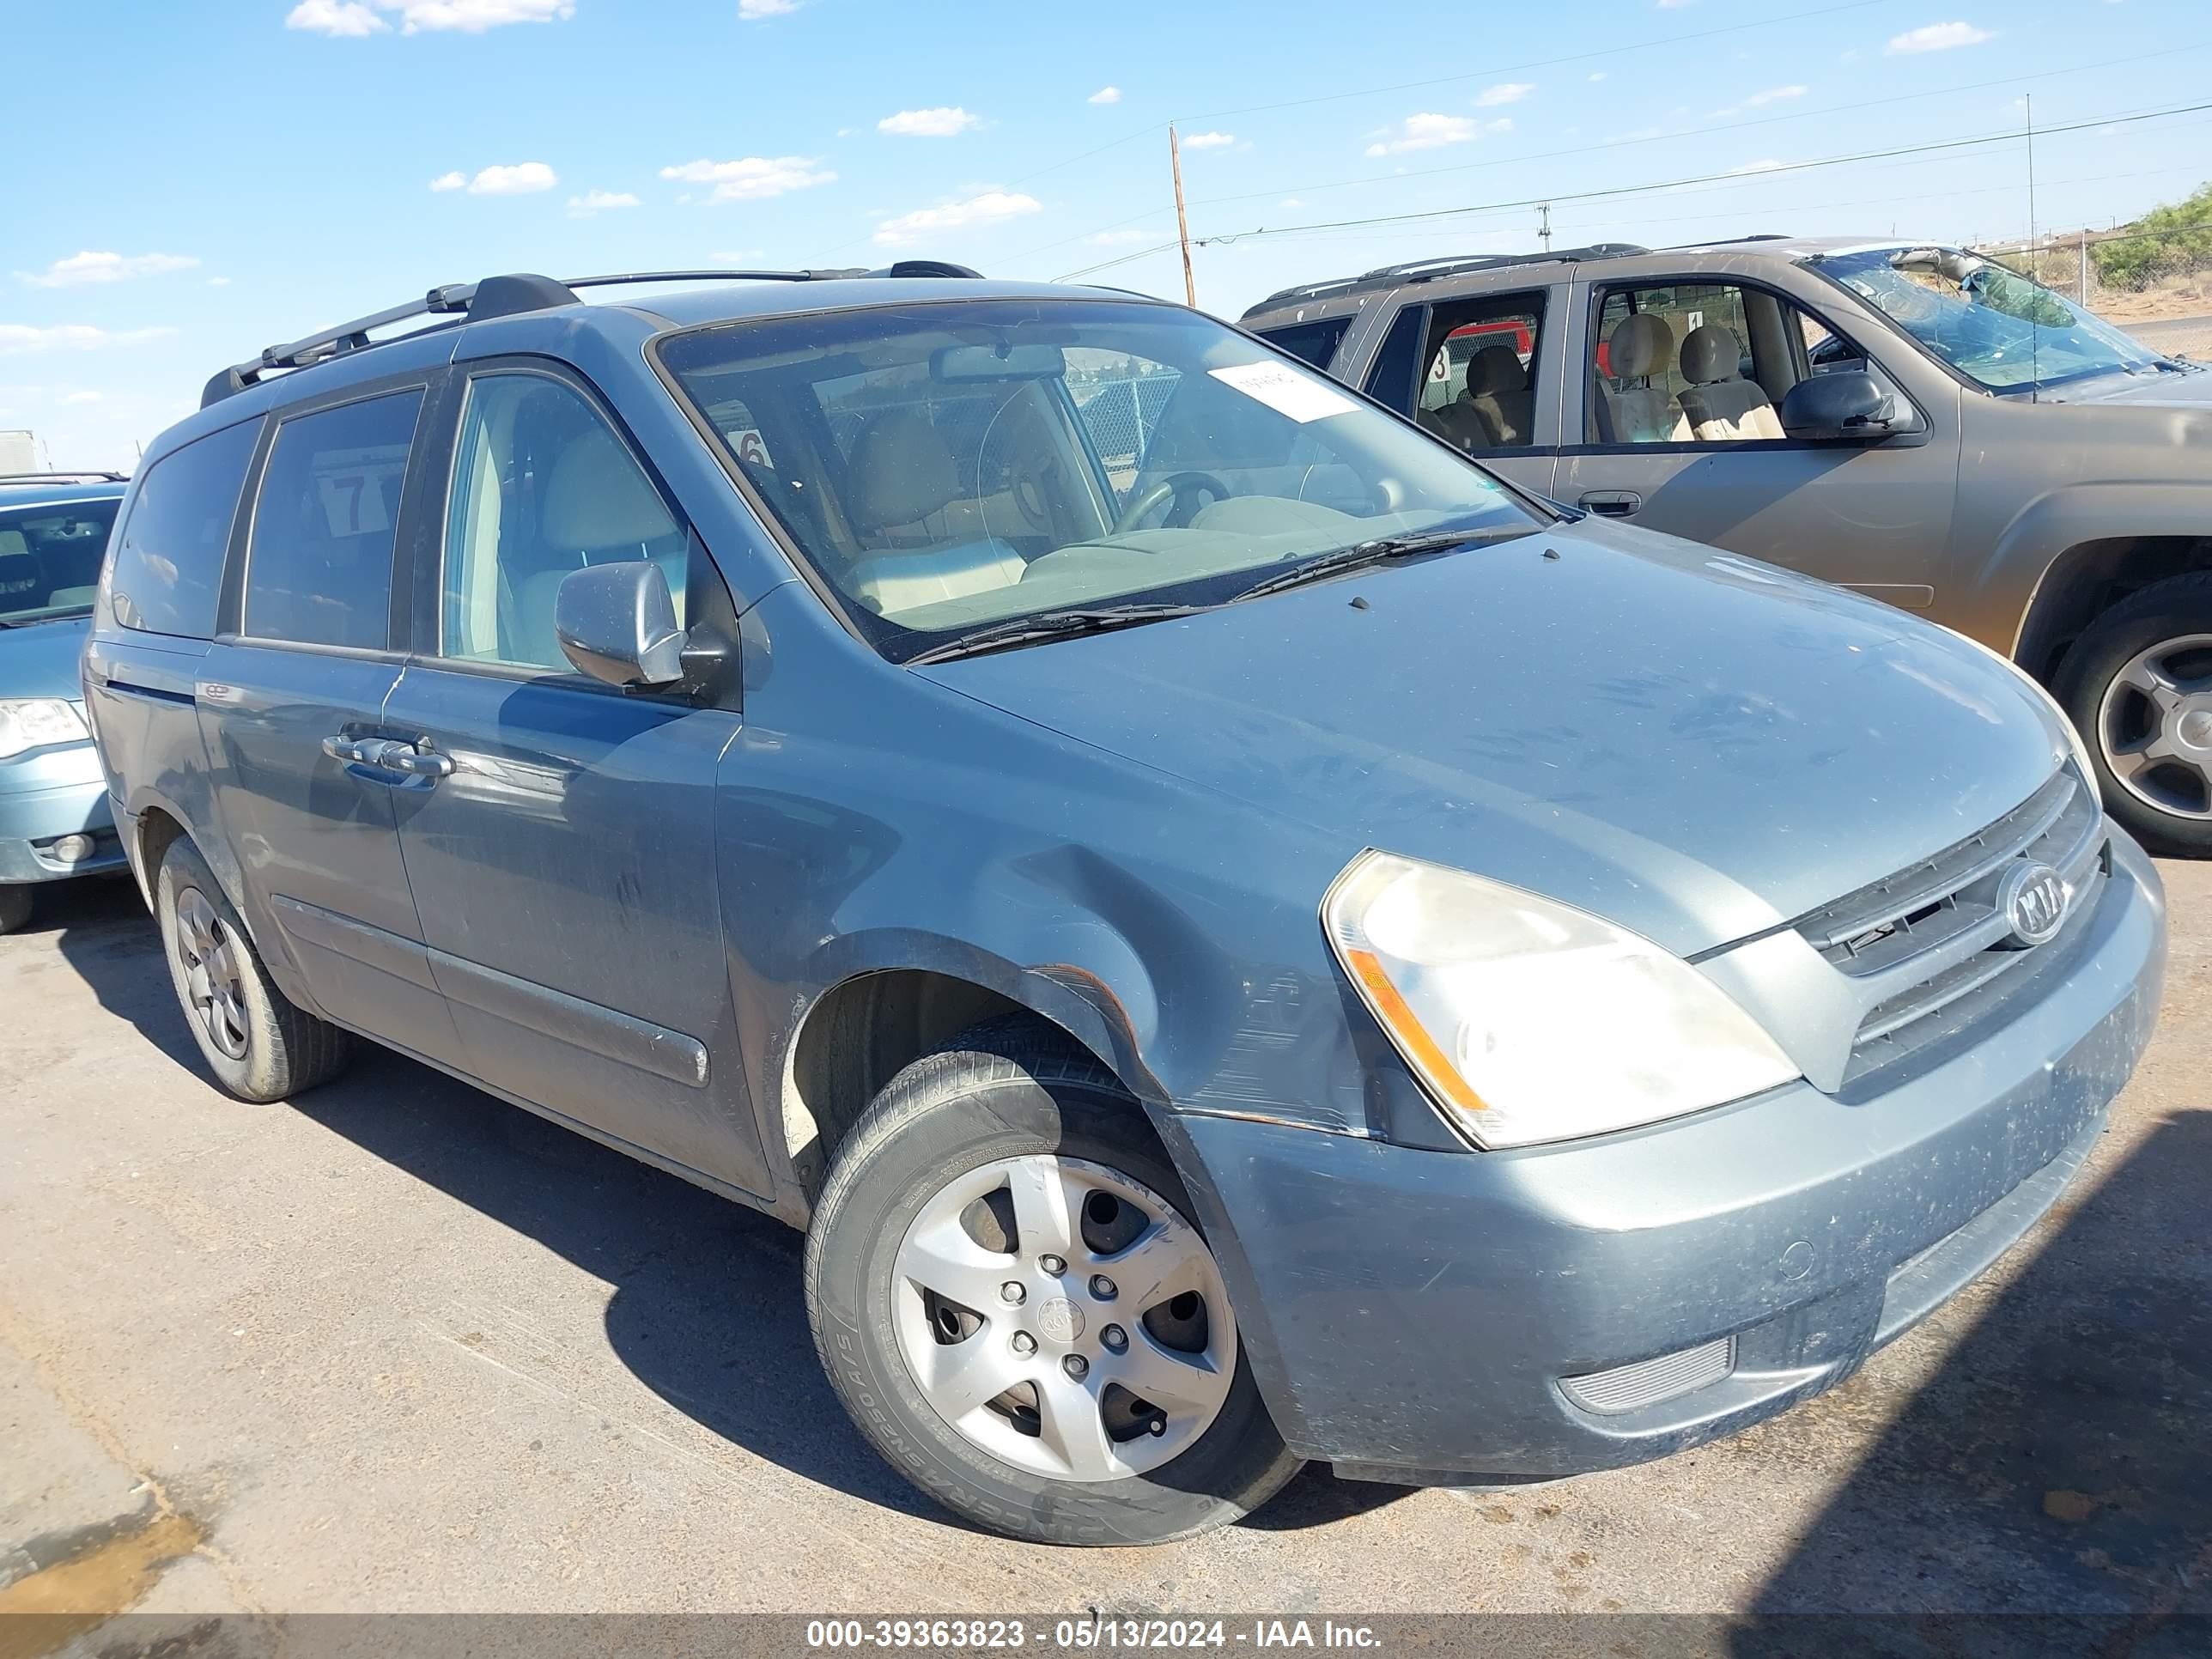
point(616, 623)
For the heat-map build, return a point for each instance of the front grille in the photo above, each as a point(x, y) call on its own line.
point(1626, 1388)
point(1927, 949)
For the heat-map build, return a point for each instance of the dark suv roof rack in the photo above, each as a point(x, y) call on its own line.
point(87, 474)
point(507, 296)
point(1431, 270)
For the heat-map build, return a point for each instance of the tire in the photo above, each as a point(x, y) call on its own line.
point(2125, 682)
point(15, 906)
point(266, 1047)
point(1008, 1091)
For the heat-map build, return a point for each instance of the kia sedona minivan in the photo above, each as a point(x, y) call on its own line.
point(54, 819)
point(1240, 936)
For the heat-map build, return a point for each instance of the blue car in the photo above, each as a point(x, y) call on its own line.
point(1240, 936)
point(54, 820)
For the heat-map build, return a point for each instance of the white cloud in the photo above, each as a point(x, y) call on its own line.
point(753, 178)
point(1774, 96)
point(1505, 92)
point(1105, 95)
point(751, 11)
point(1764, 164)
point(1597, 75)
point(85, 396)
point(72, 337)
point(335, 17)
point(522, 178)
point(989, 207)
point(354, 18)
point(1290, 202)
point(218, 282)
point(1937, 37)
point(943, 122)
point(599, 201)
point(1675, 5)
point(1433, 131)
point(81, 268)
point(1209, 141)
point(1119, 237)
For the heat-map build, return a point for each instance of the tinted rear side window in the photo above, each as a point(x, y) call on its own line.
point(169, 560)
point(1312, 343)
point(319, 570)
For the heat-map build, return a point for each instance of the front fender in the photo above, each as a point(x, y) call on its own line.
point(2025, 571)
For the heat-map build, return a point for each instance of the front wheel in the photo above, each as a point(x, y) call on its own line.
point(2138, 685)
point(1012, 1301)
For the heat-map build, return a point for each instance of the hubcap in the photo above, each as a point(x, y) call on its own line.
point(1050, 1381)
point(2154, 726)
point(214, 986)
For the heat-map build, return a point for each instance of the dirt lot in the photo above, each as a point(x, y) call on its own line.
point(399, 1347)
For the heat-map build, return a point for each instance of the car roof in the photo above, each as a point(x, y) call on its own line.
point(732, 302)
point(39, 491)
point(1474, 272)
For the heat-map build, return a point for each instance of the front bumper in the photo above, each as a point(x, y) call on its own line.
point(45, 795)
point(1522, 1315)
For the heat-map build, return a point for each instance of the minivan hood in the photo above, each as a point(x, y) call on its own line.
point(1691, 744)
point(38, 660)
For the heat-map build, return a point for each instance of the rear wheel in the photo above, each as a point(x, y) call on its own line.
point(259, 1044)
point(1012, 1301)
point(2138, 684)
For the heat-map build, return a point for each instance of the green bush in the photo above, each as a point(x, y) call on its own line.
point(2174, 240)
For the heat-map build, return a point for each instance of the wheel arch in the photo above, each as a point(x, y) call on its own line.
point(2089, 547)
point(890, 998)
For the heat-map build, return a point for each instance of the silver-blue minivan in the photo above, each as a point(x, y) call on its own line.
point(54, 821)
point(1240, 936)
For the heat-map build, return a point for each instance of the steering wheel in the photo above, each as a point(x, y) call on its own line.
point(1182, 487)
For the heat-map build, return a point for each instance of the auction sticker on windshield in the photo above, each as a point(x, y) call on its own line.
point(1285, 391)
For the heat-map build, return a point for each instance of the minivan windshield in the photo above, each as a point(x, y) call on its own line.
point(50, 559)
point(948, 467)
point(2003, 330)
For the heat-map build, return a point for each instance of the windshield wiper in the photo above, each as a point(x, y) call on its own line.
point(1380, 550)
point(1052, 625)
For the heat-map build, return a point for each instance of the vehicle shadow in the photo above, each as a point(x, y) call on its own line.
point(2048, 1488)
point(707, 1308)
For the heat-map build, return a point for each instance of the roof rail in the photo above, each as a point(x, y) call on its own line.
point(506, 296)
point(1431, 270)
point(89, 475)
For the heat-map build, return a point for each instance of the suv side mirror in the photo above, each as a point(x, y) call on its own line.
point(616, 623)
point(1845, 405)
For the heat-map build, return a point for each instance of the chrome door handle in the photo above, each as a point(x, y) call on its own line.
point(345, 750)
point(417, 762)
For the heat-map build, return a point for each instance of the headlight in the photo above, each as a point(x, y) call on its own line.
point(34, 722)
point(2035, 685)
point(1530, 1020)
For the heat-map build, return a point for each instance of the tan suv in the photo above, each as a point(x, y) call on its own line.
point(1911, 421)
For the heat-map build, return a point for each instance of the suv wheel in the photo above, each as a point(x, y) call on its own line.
point(2138, 683)
point(259, 1044)
point(1012, 1301)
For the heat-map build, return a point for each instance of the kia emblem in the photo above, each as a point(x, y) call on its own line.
point(2031, 897)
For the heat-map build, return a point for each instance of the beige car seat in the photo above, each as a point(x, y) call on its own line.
point(1640, 351)
point(1719, 404)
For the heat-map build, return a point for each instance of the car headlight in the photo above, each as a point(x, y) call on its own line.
point(1529, 1020)
point(34, 722)
point(2035, 686)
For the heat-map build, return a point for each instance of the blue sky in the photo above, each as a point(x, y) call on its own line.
point(185, 183)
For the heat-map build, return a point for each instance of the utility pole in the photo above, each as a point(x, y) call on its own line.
point(1544, 234)
point(1182, 220)
point(2082, 278)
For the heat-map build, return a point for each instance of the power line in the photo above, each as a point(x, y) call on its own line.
point(1636, 141)
point(1557, 197)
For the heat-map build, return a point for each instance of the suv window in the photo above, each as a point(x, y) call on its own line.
point(1313, 342)
point(1479, 389)
point(543, 486)
point(50, 558)
point(167, 569)
point(318, 567)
